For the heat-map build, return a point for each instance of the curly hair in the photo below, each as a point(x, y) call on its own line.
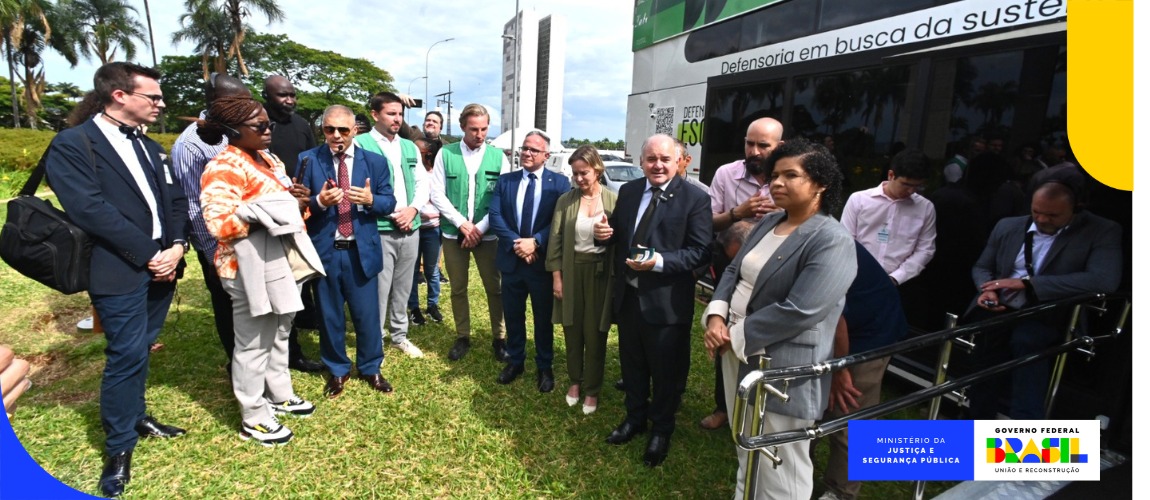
point(820, 165)
point(226, 113)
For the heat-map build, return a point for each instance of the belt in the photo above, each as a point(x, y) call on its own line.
point(344, 244)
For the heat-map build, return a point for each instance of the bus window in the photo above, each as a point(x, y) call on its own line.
point(731, 111)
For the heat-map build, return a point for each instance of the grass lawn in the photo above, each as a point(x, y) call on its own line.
point(448, 430)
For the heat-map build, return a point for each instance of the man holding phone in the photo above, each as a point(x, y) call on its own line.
point(351, 190)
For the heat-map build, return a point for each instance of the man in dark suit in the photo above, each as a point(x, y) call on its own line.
point(1053, 254)
point(654, 294)
point(520, 212)
point(110, 180)
point(292, 136)
point(352, 189)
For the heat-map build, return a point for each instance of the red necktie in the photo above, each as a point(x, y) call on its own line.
point(345, 203)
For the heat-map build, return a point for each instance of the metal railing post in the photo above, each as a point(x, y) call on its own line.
point(750, 477)
point(940, 370)
point(1060, 361)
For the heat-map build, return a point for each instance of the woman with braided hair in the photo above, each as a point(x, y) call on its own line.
point(256, 213)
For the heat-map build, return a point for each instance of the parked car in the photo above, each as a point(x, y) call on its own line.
point(616, 173)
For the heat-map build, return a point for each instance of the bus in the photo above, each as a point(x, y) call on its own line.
point(869, 77)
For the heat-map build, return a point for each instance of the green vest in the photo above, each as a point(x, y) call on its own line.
point(410, 160)
point(456, 183)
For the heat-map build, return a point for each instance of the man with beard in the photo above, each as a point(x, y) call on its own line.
point(432, 126)
point(740, 191)
point(291, 136)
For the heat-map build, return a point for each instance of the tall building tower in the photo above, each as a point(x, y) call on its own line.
point(542, 49)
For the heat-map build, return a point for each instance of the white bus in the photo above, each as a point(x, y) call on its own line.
point(870, 74)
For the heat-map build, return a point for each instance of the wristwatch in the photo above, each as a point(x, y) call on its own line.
point(183, 243)
point(731, 212)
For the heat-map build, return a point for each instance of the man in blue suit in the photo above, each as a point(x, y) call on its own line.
point(654, 291)
point(110, 180)
point(520, 213)
point(353, 190)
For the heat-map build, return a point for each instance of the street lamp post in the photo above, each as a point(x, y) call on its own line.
point(426, 65)
point(413, 80)
point(515, 79)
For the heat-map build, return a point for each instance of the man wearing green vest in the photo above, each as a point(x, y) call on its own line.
point(399, 231)
point(464, 177)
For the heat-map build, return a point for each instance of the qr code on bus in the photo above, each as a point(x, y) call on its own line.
point(665, 121)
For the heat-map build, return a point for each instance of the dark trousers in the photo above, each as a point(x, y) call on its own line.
point(655, 361)
point(345, 282)
point(516, 287)
point(428, 256)
point(131, 321)
point(1028, 383)
point(221, 305)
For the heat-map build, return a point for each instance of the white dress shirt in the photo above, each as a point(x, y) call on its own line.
point(123, 147)
point(472, 159)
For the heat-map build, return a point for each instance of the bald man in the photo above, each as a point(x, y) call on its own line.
point(291, 136)
point(739, 191)
point(653, 297)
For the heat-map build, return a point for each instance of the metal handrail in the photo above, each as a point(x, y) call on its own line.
point(760, 380)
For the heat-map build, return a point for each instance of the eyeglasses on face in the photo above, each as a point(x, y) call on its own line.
point(155, 98)
point(533, 151)
point(261, 127)
point(328, 129)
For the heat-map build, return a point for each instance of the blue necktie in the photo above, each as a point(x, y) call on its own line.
point(528, 208)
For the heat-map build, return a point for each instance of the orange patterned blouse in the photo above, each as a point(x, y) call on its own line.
point(233, 178)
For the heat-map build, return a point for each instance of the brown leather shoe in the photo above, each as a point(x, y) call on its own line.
point(377, 382)
point(714, 421)
point(335, 386)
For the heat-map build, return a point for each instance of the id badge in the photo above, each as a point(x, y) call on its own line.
point(883, 235)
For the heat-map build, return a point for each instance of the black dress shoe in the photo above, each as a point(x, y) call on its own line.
point(656, 450)
point(149, 427)
point(625, 432)
point(377, 382)
point(619, 385)
point(302, 364)
point(500, 348)
point(509, 373)
point(545, 381)
point(117, 472)
point(459, 349)
point(334, 386)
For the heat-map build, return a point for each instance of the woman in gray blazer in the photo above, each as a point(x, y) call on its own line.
point(581, 274)
point(781, 297)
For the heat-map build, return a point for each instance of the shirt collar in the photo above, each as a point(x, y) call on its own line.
point(350, 151)
point(375, 134)
point(538, 173)
point(1034, 229)
point(467, 148)
point(663, 186)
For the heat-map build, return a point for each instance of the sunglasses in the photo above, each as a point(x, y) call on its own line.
point(328, 129)
point(261, 127)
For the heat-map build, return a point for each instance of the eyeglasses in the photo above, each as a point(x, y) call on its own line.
point(261, 127)
point(155, 98)
point(328, 129)
point(533, 151)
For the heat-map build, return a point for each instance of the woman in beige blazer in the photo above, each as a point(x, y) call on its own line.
point(582, 276)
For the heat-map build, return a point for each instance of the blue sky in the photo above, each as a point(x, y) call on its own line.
point(396, 34)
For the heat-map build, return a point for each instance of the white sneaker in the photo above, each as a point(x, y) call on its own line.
point(268, 433)
point(86, 323)
point(829, 495)
point(408, 348)
point(296, 406)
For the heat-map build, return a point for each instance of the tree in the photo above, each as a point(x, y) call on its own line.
point(104, 26)
point(183, 89)
point(15, 15)
point(211, 33)
point(236, 11)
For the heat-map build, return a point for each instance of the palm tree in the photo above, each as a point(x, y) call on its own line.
point(104, 26)
point(236, 11)
point(15, 15)
point(211, 32)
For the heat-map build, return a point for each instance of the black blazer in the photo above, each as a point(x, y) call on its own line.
point(102, 198)
point(681, 233)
